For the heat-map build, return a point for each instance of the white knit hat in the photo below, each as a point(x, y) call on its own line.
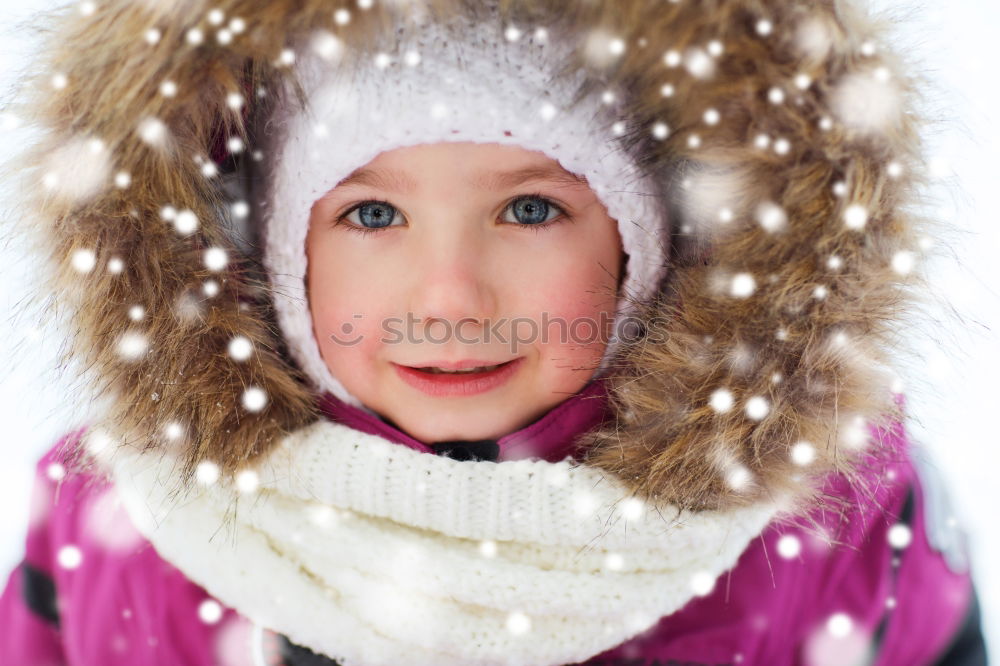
point(462, 80)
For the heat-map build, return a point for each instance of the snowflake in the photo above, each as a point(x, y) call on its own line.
point(83, 260)
point(699, 63)
point(903, 261)
point(518, 623)
point(69, 556)
point(254, 399)
point(209, 611)
point(185, 221)
point(152, 131)
point(721, 400)
point(247, 481)
point(867, 101)
point(240, 348)
point(771, 216)
point(207, 472)
point(216, 259)
point(78, 169)
point(614, 561)
point(742, 285)
point(855, 216)
point(702, 583)
point(789, 546)
point(803, 453)
point(900, 536)
point(757, 408)
point(132, 345)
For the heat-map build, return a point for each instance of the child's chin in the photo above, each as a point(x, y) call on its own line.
point(442, 425)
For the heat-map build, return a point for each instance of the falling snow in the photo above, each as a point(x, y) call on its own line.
point(108, 524)
point(855, 216)
point(900, 536)
point(743, 285)
point(702, 583)
point(699, 63)
point(867, 101)
point(803, 453)
point(209, 611)
point(789, 546)
point(77, 170)
point(254, 399)
point(518, 623)
point(488, 548)
point(69, 556)
point(601, 48)
point(813, 38)
point(903, 262)
point(240, 348)
point(152, 131)
point(757, 407)
point(216, 259)
point(771, 216)
point(247, 481)
point(855, 434)
point(185, 222)
point(207, 472)
point(83, 260)
point(614, 562)
point(738, 477)
point(132, 345)
point(721, 400)
point(632, 508)
point(55, 471)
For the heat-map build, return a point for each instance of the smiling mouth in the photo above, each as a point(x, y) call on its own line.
point(432, 370)
point(439, 382)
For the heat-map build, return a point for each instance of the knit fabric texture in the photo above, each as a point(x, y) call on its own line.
point(451, 80)
point(373, 553)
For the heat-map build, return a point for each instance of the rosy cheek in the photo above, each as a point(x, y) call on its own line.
point(344, 321)
point(580, 311)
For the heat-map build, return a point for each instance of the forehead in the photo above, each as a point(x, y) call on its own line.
point(486, 166)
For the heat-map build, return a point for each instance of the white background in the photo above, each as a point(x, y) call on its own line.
point(951, 393)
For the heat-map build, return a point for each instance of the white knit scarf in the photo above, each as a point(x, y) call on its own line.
point(373, 553)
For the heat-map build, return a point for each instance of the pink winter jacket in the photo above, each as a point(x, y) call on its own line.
point(92, 592)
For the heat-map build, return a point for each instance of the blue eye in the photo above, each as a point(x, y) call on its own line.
point(532, 210)
point(374, 215)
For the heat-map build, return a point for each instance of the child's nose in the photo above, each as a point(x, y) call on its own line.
point(453, 289)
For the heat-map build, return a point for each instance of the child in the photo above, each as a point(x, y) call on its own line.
point(716, 260)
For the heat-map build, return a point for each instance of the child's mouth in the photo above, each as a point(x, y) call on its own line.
point(467, 381)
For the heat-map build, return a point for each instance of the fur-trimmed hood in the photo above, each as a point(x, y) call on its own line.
point(783, 134)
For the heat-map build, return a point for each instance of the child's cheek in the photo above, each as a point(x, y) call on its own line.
point(575, 303)
point(346, 326)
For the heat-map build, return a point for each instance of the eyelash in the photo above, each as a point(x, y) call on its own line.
point(564, 217)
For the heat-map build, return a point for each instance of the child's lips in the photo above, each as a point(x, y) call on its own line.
point(466, 383)
point(456, 365)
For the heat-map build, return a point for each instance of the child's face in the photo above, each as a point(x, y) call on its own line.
point(462, 262)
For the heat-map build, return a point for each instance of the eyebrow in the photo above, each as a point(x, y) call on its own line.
point(390, 179)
